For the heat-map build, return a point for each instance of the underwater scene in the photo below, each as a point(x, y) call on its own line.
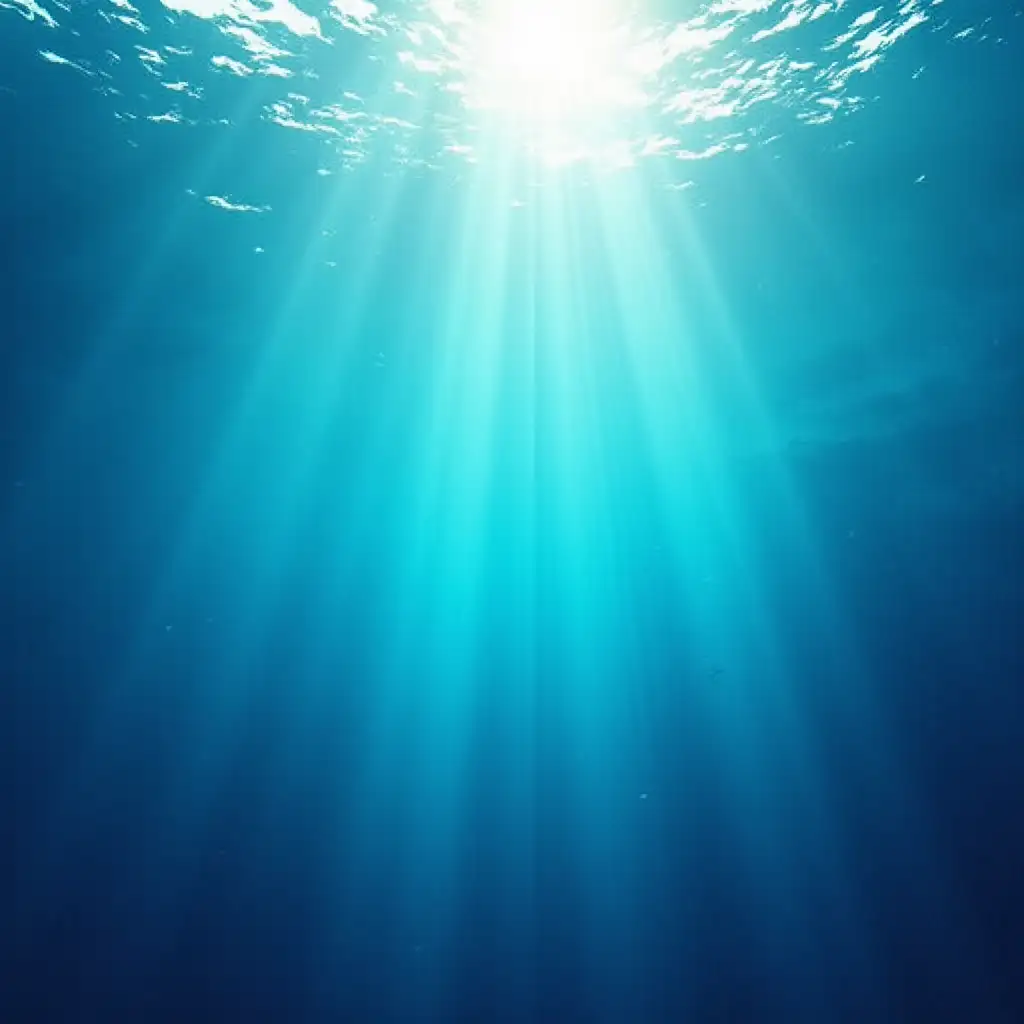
point(511, 511)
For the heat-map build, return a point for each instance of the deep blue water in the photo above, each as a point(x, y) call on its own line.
point(440, 586)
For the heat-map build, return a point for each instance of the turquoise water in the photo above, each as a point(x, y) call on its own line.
point(511, 512)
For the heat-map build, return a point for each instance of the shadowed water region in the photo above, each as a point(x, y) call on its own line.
point(511, 511)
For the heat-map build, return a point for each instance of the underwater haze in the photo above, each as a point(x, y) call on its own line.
point(511, 511)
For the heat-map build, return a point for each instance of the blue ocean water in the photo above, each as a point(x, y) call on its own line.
point(511, 513)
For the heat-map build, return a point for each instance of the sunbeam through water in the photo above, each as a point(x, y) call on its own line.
point(510, 512)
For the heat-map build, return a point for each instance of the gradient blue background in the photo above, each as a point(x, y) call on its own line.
point(604, 610)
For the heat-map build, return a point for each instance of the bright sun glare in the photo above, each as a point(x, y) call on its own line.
point(555, 66)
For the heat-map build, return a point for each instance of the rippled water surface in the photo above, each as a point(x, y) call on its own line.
point(417, 83)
